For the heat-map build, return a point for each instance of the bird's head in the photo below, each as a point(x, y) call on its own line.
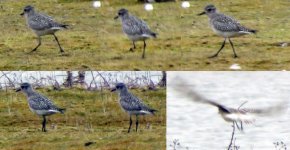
point(122, 12)
point(24, 87)
point(119, 87)
point(209, 9)
point(27, 10)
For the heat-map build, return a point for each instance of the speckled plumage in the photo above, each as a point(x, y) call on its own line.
point(131, 104)
point(42, 24)
point(41, 105)
point(38, 103)
point(135, 28)
point(225, 26)
point(222, 23)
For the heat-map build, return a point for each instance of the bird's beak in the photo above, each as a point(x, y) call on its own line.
point(202, 13)
point(18, 89)
point(22, 14)
point(116, 17)
point(114, 89)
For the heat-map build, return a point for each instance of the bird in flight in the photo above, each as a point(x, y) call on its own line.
point(235, 115)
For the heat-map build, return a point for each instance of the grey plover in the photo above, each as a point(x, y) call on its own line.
point(135, 28)
point(225, 26)
point(39, 104)
point(235, 116)
point(41, 25)
point(131, 104)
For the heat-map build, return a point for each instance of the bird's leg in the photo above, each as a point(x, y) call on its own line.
point(61, 50)
point(241, 125)
point(39, 43)
point(137, 123)
point(216, 54)
point(43, 124)
point(130, 124)
point(132, 48)
point(235, 55)
point(143, 55)
point(237, 125)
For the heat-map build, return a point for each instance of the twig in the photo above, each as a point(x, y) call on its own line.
point(105, 81)
point(233, 133)
point(242, 105)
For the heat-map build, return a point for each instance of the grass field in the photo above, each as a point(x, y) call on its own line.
point(91, 116)
point(95, 40)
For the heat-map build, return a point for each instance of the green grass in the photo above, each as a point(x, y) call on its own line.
point(95, 40)
point(91, 116)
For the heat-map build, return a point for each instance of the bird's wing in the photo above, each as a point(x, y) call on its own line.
point(42, 22)
point(267, 111)
point(271, 110)
point(182, 87)
point(135, 26)
point(39, 102)
point(130, 103)
point(226, 24)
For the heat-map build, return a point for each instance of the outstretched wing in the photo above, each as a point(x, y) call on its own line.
point(271, 110)
point(181, 87)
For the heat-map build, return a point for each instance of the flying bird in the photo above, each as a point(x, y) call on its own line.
point(234, 115)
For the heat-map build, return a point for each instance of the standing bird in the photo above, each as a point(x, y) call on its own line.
point(136, 29)
point(239, 115)
point(131, 104)
point(225, 26)
point(42, 25)
point(39, 104)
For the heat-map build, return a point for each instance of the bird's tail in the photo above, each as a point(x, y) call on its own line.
point(61, 110)
point(253, 31)
point(247, 30)
point(64, 26)
point(154, 35)
point(152, 111)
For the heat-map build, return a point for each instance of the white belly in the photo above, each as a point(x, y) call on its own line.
point(45, 32)
point(142, 112)
point(247, 118)
point(228, 34)
point(43, 112)
point(137, 37)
